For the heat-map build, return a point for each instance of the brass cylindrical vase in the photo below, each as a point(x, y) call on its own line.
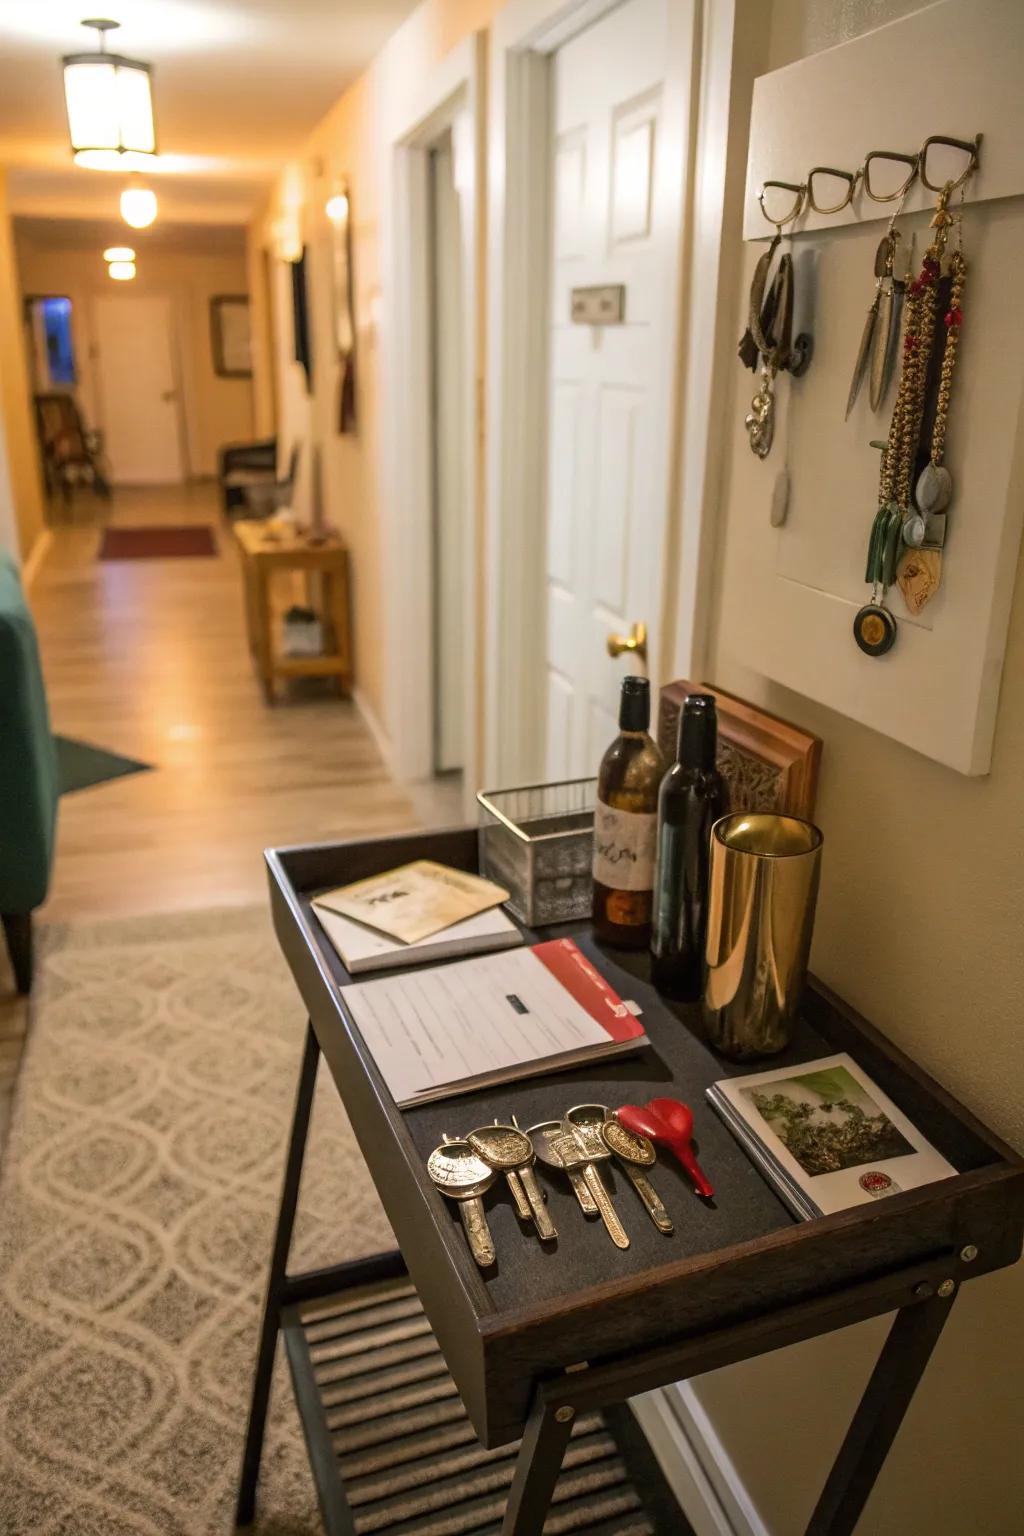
point(763, 890)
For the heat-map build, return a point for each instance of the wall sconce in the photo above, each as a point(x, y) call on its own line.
point(138, 205)
point(110, 106)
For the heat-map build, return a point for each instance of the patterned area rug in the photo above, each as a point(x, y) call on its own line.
point(137, 1200)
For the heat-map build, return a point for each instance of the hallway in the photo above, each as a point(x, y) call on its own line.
point(148, 659)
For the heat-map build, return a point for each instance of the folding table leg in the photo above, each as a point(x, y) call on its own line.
point(539, 1462)
point(271, 1324)
point(879, 1414)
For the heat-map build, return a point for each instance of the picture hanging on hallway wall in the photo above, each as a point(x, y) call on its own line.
point(300, 319)
point(339, 213)
point(230, 336)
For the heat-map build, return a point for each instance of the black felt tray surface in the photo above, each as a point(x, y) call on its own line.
point(678, 1064)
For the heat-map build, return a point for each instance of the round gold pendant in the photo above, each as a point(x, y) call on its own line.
point(874, 629)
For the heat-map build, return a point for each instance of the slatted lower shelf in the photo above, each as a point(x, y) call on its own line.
point(383, 1419)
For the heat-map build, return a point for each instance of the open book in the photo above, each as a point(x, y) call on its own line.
point(453, 1029)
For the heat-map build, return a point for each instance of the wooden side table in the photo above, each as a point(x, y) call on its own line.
point(264, 551)
point(546, 1338)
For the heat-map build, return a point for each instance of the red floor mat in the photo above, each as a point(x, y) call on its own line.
point(157, 543)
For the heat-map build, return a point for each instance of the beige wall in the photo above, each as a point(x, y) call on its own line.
point(22, 483)
point(216, 410)
point(348, 144)
point(919, 926)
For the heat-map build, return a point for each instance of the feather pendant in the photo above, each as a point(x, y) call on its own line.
point(881, 346)
point(863, 354)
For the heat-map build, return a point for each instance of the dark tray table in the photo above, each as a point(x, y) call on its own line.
point(555, 1332)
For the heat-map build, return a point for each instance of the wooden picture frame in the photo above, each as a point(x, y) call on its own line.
point(230, 336)
point(768, 764)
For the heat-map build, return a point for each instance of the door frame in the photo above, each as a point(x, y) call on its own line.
point(450, 98)
point(697, 100)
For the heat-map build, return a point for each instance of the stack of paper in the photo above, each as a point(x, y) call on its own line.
point(468, 1026)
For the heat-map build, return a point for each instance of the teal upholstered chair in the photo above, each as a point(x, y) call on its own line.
point(28, 775)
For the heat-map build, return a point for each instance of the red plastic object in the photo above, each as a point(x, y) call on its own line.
point(669, 1122)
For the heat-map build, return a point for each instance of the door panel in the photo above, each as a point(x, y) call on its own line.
point(616, 220)
point(138, 390)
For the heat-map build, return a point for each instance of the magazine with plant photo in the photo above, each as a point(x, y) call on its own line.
point(826, 1135)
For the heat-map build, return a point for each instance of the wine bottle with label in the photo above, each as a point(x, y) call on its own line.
point(626, 824)
point(692, 798)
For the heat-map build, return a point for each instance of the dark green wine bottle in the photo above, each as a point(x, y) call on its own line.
point(692, 797)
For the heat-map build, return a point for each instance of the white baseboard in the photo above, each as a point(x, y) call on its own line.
point(373, 725)
point(696, 1464)
point(38, 553)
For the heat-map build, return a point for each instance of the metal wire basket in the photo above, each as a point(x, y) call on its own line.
point(538, 842)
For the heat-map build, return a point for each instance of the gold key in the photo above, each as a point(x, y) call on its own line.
point(633, 1152)
point(463, 1176)
point(588, 1205)
point(560, 1145)
point(510, 1150)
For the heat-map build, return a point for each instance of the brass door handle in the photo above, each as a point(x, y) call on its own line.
point(633, 644)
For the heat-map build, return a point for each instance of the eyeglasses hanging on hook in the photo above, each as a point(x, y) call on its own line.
point(885, 175)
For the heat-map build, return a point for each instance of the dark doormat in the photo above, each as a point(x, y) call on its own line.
point(80, 766)
point(157, 543)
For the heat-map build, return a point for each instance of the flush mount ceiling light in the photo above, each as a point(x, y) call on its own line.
point(118, 253)
point(122, 271)
point(110, 106)
point(138, 205)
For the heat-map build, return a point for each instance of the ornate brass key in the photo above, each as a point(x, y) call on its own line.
point(559, 1144)
point(633, 1152)
point(588, 1205)
point(510, 1150)
point(463, 1176)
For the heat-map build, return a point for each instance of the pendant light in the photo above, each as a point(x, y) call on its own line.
point(120, 260)
point(138, 204)
point(110, 106)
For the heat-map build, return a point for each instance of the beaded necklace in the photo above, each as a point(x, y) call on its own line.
point(898, 525)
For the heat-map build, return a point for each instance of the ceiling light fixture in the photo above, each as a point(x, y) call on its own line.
point(336, 208)
point(122, 271)
point(138, 205)
point(118, 253)
point(110, 106)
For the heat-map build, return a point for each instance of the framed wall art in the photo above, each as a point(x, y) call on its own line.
point(339, 214)
point(768, 764)
point(230, 336)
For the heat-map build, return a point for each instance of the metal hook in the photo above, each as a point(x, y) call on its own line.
point(969, 146)
point(784, 186)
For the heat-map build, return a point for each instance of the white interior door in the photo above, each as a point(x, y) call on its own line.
point(138, 390)
point(616, 220)
point(447, 346)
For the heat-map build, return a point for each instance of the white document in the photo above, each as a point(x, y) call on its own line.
point(430, 1028)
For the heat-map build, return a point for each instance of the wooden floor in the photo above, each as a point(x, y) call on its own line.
point(148, 658)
